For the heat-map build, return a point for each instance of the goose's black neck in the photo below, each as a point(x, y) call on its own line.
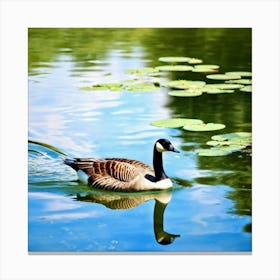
point(158, 167)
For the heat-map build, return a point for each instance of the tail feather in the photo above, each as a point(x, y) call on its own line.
point(71, 163)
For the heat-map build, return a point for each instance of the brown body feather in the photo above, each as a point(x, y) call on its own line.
point(118, 174)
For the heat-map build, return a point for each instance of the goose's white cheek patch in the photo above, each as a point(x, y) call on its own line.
point(159, 147)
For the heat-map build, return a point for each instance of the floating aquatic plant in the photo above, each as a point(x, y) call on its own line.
point(104, 86)
point(175, 68)
point(240, 73)
point(175, 122)
point(240, 81)
point(246, 89)
point(209, 66)
point(206, 68)
point(194, 61)
point(204, 126)
point(174, 59)
point(224, 144)
point(185, 93)
point(217, 90)
point(184, 84)
point(214, 152)
point(140, 87)
point(222, 86)
point(223, 77)
point(246, 136)
point(142, 71)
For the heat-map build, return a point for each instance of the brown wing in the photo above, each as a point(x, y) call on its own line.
point(109, 174)
point(135, 163)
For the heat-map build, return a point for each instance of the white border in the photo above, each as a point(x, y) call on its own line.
point(17, 16)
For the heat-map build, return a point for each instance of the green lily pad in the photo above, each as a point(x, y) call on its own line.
point(174, 59)
point(234, 143)
point(240, 73)
point(246, 89)
point(212, 152)
point(205, 70)
point(140, 87)
point(240, 81)
point(217, 90)
point(223, 77)
point(105, 86)
point(175, 122)
point(171, 68)
point(142, 71)
point(184, 84)
point(194, 61)
point(185, 93)
point(204, 127)
point(209, 66)
point(231, 136)
point(222, 86)
point(224, 144)
point(217, 151)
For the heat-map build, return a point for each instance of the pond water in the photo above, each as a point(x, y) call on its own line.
point(209, 208)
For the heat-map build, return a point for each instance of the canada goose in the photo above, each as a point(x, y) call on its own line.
point(121, 174)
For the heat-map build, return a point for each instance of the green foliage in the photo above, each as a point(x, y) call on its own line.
point(47, 146)
point(175, 122)
point(184, 84)
point(175, 68)
point(185, 93)
point(223, 77)
point(204, 127)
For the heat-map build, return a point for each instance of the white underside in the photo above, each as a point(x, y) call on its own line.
point(140, 183)
point(82, 176)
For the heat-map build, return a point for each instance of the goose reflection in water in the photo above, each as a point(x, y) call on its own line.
point(117, 201)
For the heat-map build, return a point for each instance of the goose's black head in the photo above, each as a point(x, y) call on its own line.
point(163, 145)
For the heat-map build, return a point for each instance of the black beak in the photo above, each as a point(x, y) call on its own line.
point(172, 149)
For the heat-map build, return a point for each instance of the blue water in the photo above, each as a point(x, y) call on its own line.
point(209, 208)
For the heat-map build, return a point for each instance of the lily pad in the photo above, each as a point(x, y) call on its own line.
point(213, 152)
point(205, 70)
point(241, 144)
point(222, 86)
point(246, 89)
point(217, 90)
point(209, 66)
point(240, 81)
point(232, 136)
point(217, 151)
point(204, 127)
point(174, 59)
point(238, 140)
point(185, 93)
point(175, 68)
point(223, 77)
point(194, 61)
point(184, 84)
point(142, 71)
point(140, 87)
point(105, 86)
point(175, 122)
point(240, 73)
